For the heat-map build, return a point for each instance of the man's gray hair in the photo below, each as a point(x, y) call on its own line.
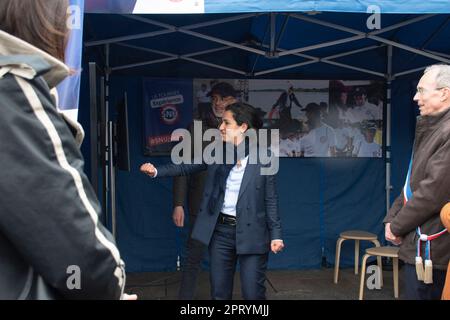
point(442, 76)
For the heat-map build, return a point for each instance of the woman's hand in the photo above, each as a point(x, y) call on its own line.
point(276, 246)
point(148, 169)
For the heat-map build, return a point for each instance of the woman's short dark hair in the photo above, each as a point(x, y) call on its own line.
point(42, 23)
point(245, 113)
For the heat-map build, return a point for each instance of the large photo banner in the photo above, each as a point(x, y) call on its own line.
point(167, 107)
point(315, 118)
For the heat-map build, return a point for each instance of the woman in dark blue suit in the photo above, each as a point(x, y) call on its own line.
point(238, 218)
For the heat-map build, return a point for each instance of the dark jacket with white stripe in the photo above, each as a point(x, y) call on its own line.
point(52, 244)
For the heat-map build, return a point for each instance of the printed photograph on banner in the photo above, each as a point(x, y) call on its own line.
point(202, 95)
point(356, 114)
point(315, 118)
point(296, 108)
point(167, 106)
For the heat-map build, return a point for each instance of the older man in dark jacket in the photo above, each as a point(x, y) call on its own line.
point(415, 213)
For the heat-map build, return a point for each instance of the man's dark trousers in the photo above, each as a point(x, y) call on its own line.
point(414, 289)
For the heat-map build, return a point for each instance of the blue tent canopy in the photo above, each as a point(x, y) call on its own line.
point(387, 6)
point(281, 40)
point(235, 6)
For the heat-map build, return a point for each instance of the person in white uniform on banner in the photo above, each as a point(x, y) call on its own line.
point(367, 147)
point(321, 138)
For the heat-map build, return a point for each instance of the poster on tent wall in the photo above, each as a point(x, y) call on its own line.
point(167, 106)
point(145, 6)
point(316, 118)
point(355, 112)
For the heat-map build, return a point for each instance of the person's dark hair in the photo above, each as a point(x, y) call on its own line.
point(223, 89)
point(245, 113)
point(42, 23)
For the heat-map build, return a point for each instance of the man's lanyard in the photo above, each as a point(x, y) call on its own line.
point(427, 278)
point(407, 193)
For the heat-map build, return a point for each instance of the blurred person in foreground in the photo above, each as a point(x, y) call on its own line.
point(52, 244)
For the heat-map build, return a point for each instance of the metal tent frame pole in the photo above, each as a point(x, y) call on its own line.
point(273, 51)
point(388, 127)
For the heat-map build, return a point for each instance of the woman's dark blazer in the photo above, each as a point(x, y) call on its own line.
point(258, 221)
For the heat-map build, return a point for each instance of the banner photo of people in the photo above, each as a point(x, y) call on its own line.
point(315, 118)
point(167, 107)
point(355, 113)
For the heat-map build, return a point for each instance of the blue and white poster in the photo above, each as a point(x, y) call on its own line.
point(167, 107)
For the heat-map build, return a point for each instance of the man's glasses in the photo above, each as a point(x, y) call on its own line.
point(421, 90)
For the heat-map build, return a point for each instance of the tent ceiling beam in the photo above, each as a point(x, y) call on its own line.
point(344, 54)
point(321, 45)
point(411, 49)
point(304, 63)
point(260, 45)
point(328, 61)
point(197, 53)
point(195, 25)
point(435, 33)
point(283, 29)
point(354, 68)
point(222, 41)
point(146, 49)
point(187, 30)
point(445, 55)
point(372, 35)
point(273, 18)
point(140, 64)
point(172, 57)
point(213, 65)
point(272, 49)
point(169, 28)
point(127, 38)
point(357, 32)
point(399, 74)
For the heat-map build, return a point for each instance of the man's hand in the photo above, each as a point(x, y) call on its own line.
point(148, 169)
point(276, 246)
point(390, 236)
point(178, 216)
